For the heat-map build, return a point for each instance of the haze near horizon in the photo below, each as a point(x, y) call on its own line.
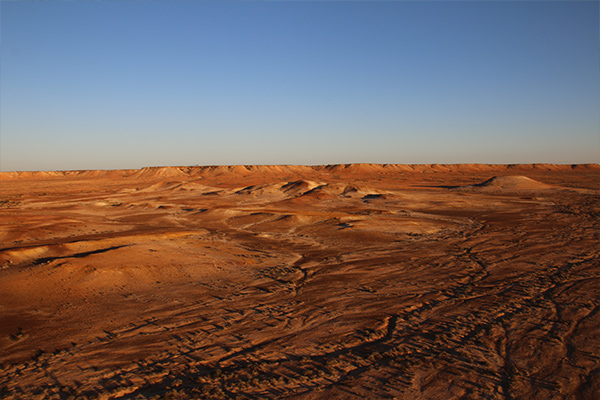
point(109, 85)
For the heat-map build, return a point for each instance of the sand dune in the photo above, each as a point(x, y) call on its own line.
point(301, 282)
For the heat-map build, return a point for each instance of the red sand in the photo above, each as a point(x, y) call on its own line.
point(342, 281)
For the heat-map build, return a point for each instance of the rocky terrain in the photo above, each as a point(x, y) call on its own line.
point(355, 281)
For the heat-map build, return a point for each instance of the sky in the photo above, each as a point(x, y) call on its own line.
point(126, 84)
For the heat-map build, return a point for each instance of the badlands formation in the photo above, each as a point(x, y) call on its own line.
point(350, 281)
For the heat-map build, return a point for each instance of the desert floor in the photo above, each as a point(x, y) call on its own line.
point(334, 282)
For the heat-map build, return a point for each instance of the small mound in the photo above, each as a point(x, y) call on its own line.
point(514, 182)
point(259, 190)
point(334, 190)
point(298, 187)
point(288, 189)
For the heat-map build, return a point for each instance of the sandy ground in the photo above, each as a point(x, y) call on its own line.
point(335, 282)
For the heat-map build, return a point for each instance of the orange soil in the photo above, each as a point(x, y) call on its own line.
point(342, 281)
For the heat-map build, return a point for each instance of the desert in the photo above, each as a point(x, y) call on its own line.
point(354, 281)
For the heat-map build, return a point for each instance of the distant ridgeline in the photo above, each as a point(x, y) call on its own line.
point(338, 169)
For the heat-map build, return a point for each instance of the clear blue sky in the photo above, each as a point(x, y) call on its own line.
point(126, 84)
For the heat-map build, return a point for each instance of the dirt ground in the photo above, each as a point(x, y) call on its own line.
point(332, 282)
